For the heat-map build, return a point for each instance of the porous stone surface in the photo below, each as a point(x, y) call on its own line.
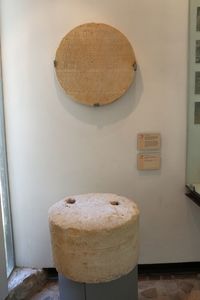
point(95, 64)
point(24, 282)
point(94, 237)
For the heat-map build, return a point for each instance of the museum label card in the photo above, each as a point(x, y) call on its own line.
point(147, 162)
point(148, 141)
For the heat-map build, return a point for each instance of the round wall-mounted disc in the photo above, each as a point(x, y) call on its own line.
point(95, 64)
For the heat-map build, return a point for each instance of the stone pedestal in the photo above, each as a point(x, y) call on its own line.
point(95, 246)
point(124, 288)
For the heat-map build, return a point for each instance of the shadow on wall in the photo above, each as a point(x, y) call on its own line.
point(107, 114)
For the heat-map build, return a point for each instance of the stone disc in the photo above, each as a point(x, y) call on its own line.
point(95, 64)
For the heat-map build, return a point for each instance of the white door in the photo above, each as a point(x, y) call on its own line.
point(3, 275)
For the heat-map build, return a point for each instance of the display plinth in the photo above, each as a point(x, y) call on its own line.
point(125, 288)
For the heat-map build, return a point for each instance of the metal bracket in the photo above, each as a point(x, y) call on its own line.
point(55, 63)
point(135, 66)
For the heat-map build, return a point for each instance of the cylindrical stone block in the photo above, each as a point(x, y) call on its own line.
point(94, 237)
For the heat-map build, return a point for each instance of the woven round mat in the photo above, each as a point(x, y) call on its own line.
point(95, 64)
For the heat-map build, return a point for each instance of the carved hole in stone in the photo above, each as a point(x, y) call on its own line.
point(114, 202)
point(70, 201)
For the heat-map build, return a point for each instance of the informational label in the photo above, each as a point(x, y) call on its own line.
point(197, 83)
point(147, 162)
point(197, 51)
point(197, 113)
point(198, 19)
point(148, 141)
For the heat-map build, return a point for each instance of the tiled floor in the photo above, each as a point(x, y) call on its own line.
point(50, 292)
point(171, 287)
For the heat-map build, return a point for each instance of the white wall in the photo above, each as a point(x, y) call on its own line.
point(57, 147)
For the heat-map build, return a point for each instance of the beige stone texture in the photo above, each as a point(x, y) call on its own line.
point(95, 64)
point(94, 237)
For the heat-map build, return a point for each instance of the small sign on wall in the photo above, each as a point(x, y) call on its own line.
point(197, 113)
point(198, 51)
point(146, 162)
point(148, 141)
point(197, 83)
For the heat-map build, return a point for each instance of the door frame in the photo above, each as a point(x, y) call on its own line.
point(3, 273)
point(4, 191)
point(3, 269)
